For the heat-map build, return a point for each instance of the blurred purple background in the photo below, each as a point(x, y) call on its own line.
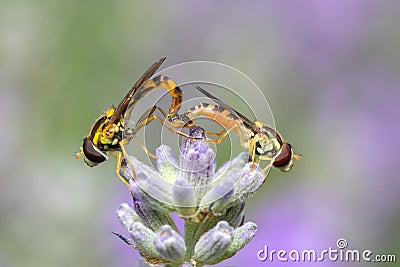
point(329, 69)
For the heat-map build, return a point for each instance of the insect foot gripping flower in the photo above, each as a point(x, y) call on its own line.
point(211, 203)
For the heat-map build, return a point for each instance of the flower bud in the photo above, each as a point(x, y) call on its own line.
point(184, 197)
point(213, 243)
point(169, 244)
point(218, 197)
point(241, 237)
point(166, 163)
point(143, 238)
point(248, 182)
point(152, 217)
point(127, 216)
point(150, 188)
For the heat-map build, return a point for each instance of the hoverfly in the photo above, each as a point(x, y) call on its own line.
point(261, 140)
point(109, 133)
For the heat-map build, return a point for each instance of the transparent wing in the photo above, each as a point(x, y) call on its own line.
point(245, 120)
point(123, 105)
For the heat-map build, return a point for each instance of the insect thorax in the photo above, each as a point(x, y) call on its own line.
point(266, 145)
point(107, 137)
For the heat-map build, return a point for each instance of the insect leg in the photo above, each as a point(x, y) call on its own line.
point(265, 158)
point(218, 141)
point(124, 155)
point(112, 153)
point(215, 134)
point(170, 86)
point(159, 81)
point(144, 148)
point(148, 116)
point(118, 169)
point(145, 118)
point(268, 166)
point(252, 149)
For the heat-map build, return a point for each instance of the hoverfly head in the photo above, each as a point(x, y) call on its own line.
point(283, 160)
point(92, 154)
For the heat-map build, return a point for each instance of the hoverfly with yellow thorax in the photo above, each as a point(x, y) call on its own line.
point(263, 141)
point(109, 133)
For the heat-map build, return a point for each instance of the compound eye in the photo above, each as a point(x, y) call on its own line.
point(284, 158)
point(93, 155)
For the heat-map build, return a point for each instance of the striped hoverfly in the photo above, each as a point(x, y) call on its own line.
point(109, 133)
point(262, 141)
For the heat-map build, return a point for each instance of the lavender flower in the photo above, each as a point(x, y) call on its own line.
point(214, 243)
point(169, 244)
point(211, 203)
